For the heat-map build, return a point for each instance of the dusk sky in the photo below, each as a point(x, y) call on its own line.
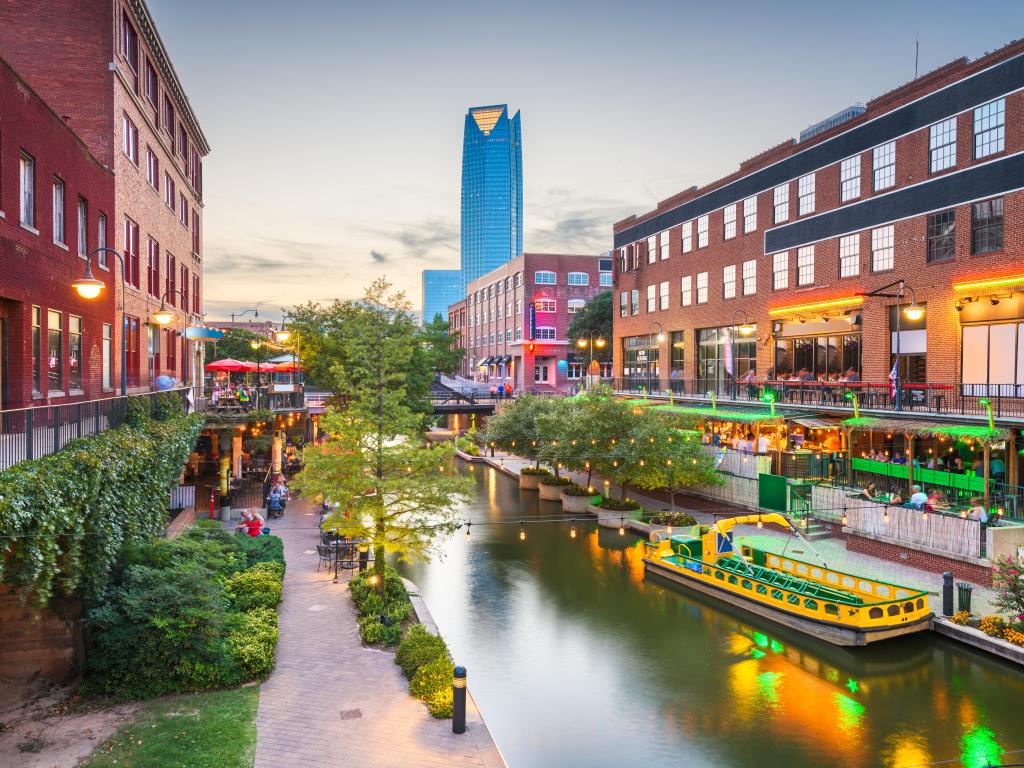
point(336, 127)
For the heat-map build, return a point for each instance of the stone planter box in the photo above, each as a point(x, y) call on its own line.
point(550, 492)
point(530, 482)
point(609, 518)
point(577, 503)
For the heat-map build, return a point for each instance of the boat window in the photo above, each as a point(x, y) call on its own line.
point(908, 607)
point(882, 590)
point(920, 603)
point(719, 575)
point(901, 593)
point(849, 581)
point(893, 610)
point(746, 584)
point(816, 573)
point(832, 578)
point(875, 613)
point(777, 594)
point(864, 586)
point(811, 604)
point(787, 564)
point(793, 599)
point(831, 609)
point(802, 569)
point(773, 560)
point(733, 579)
point(762, 589)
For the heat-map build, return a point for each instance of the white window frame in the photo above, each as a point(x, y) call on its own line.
point(849, 179)
point(702, 287)
point(623, 303)
point(578, 278)
point(27, 196)
point(729, 222)
point(545, 333)
point(545, 272)
point(942, 145)
point(544, 305)
point(750, 277)
point(702, 231)
point(780, 203)
point(805, 266)
point(883, 166)
point(652, 302)
point(989, 128)
point(685, 291)
point(750, 214)
point(101, 240)
point(152, 169)
point(780, 271)
point(605, 280)
point(805, 194)
point(663, 241)
point(729, 281)
point(60, 235)
point(574, 306)
point(130, 139)
point(663, 295)
point(849, 256)
point(83, 227)
point(686, 233)
point(652, 249)
point(883, 248)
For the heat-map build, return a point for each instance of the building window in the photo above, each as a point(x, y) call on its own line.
point(37, 350)
point(805, 265)
point(882, 249)
point(543, 305)
point(59, 235)
point(182, 142)
point(702, 232)
point(723, 357)
point(519, 334)
point(101, 240)
point(169, 119)
point(677, 354)
point(729, 222)
point(883, 166)
point(651, 301)
point(652, 249)
point(54, 351)
point(805, 194)
point(663, 244)
point(172, 351)
point(941, 236)
point(183, 209)
point(131, 255)
point(153, 267)
point(849, 256)
point(780, 202)
point(989, 128)
point(129, 43)
point(519, 279)
point(130, 139)
point(605, 279)
point(821, 356)
point(729, 282)
point(702, 287)
point(184, 288)
point(687, 236)
point(987, 226)
point(942, 145)
point(750, 214)
point(519, 306)
point(685, 291)
point(663, 295)
point(780, 270)
point(107, 355)
point(634, 301)
point(544, 277)
point(623, 261)
point(544, 333)
point(990, 359)
point(195, 233)
point(74, 352)
point(575, 306)
point(579, 278)
point(750, 277)
point(152, 86)
point(170, 192)
point(152, 169)
point(575, 371)
point(849, 179)
point(540, 374)
point(83, 227)
point(28, 191)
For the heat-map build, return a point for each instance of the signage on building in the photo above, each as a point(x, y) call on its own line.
point(641, 355)
point(533, 322)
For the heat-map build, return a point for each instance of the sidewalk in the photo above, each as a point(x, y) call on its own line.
point(332, 702)
point(773, 540)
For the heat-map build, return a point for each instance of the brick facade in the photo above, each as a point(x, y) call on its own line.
point(36, 272)
point(499, 305)
point(109, 73)
point(931, 281)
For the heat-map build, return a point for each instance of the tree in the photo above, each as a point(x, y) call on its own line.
point(595, 316)
point(440, 343)
point(557, 425)
point(234, 344)
point(394, 489)
point(515, 428)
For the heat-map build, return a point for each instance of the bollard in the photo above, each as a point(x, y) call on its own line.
point(459, 700)
point(947, 594)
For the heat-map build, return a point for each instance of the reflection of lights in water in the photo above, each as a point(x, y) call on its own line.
point(979, 748)
point(851, 685)
point(492, 488)
point(906, 750)
point(850, 711)
point(767, 687)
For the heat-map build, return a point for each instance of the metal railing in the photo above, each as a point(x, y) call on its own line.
point(29, 433)
point(1006, 401)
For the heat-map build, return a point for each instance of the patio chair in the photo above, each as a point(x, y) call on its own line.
point(326, 556)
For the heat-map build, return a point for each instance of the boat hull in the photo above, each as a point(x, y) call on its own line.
point(837, 634)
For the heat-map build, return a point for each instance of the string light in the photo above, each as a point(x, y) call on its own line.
point(844, 519)
point(467, 531)
point(759, 523)
point(522, 531)
point(885, 515)
point(572, 530)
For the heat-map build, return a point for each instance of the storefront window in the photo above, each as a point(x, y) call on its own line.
point(677, 351)
point(821, 356)
point(640, 365)
point(993, 359)
point(75, 352)
point(722, 358)
point(55, 351)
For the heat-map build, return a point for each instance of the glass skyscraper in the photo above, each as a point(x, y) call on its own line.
point(492, 190)
point(441, 289)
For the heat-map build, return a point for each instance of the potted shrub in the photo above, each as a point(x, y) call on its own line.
point(551, 487)
point(611, 512)
point(530, 477)
point(576, 498)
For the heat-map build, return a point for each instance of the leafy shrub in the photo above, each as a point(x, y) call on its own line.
point(993, 626)
point(418, 648)
point(252, 639)
point(432, 677)
point(1008, 582)
point(257, 587)
point(616, 505)
point(373, 632)
point(676, 519)
point(535, 471)
point(961, 618)
point(261, 549)
point(391, 604)
point(467, 446)
point(1014, 636)
point(562, 481)
point(439, 703)
point(578, 490)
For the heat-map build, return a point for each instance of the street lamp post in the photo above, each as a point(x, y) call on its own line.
point(282, 337)
point(164, 316)
point(257, 345)
point(660, 336)
point(914, 312)
point(745, 329)
point(89, 287)
point(590, 341)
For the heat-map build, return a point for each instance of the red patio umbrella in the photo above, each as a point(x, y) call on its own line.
point(227, 365)
point(286, 367)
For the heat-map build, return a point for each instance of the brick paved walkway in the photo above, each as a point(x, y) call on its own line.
point(332, 702)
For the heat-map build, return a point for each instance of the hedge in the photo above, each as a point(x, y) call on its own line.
point(66, 518)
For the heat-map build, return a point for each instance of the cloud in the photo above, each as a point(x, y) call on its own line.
point(378, 257)
point(427, 240)
point(231, 262)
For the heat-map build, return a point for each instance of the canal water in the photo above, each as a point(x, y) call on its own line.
point(576, 659)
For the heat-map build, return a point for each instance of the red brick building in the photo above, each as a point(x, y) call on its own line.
point(103, 67)
point(764, 270)
point(516, 318)
point(56, 205)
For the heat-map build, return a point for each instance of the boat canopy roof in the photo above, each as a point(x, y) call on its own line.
point(924, 429)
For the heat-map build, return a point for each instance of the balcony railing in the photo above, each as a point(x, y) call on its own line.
point(1006, 401)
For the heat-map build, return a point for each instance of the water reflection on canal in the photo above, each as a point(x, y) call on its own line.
point(576, 659)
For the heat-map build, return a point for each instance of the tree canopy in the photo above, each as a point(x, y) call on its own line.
point(595, 316)
point(441, 345)
point(234, 344)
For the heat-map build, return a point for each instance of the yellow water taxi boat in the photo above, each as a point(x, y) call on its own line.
point(837, 607)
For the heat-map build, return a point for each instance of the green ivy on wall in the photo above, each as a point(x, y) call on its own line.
point(65, 518)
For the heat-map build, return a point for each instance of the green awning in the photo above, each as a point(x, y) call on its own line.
point(693, 416)
point(926, 429)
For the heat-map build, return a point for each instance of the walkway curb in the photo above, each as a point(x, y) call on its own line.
point(481, 735)
point(978, 640)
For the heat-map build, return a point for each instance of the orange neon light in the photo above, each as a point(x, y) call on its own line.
point(849, 301)
point(990, 283)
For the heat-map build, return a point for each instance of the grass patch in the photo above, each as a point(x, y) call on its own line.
point(202, 730)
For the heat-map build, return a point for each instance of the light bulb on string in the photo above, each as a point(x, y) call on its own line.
point(622, 526)
point(572, 530)
point(760, 524)
point(467, 531)
point(885, 515)
point(844, 518)
point(522, 531)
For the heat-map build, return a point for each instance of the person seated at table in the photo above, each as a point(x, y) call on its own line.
point(898, 458)
point(997, 468)
point(918, 498)
point(871, 455)
point(976, 466)
point(804, 375)
point(977, 511)
point(734, 441)
point(957, 466)
point(937, 501)
point(851, 376)
point(251, 524)
point(895, 498)
point(870, 492)
point(748, 443)
point(935, 462)
point(243, 396)
point(764, 443)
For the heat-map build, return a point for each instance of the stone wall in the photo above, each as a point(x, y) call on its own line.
point(46, 643)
